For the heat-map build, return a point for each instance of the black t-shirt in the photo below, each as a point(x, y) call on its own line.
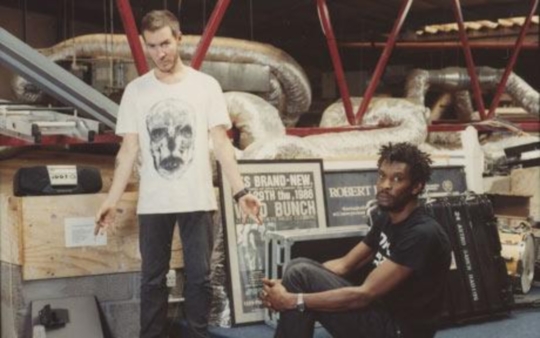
point(421, 244)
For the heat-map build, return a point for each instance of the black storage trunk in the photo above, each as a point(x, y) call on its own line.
point(478, 284)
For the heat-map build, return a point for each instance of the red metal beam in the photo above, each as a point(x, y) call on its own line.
point(403, 11)
point(477, 93)
point(437, 126)
point(512, 61)
point(527, 126)
point(440, 45)
point(446, 126)
point(317, 130)
point(209, 32)
point(58, 139)
point(124, 8)
point(328, 31)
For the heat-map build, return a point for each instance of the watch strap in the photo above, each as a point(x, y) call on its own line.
point(240, 194)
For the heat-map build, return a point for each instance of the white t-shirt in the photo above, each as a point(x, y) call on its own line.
point(172, 122)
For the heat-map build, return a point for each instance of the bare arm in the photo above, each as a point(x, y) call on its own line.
point(359, 256)
point(125, 159)
point(379, 282)
point(224, 151)
point(225, 155)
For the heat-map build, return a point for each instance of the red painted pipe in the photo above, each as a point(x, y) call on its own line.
point(477, 93)
point(439, 45)
point(375, 78)
point(124, 8)
point(209, 32)
point(527, 126)
point(328, 31)
point(512, 61)
point(58, 139)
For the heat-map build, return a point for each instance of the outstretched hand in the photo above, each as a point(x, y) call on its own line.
point(105, 217)
point(251, 207)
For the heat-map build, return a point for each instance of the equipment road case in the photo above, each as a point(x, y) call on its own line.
point(319, 244)
point(478, 285)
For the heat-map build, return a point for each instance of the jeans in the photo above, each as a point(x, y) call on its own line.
point(155, 240)
point(307, 276)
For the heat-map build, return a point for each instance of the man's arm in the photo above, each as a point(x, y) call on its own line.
point(379, 282)
point(225, 155)
point(125, 159)
point(359, 256)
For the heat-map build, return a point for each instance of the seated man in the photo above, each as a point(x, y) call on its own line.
point(403, 295)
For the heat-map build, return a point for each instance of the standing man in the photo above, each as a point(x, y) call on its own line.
point(168, 115)
point(403, 295)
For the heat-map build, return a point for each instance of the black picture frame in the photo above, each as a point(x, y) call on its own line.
point(292, 197)
point(351, 185)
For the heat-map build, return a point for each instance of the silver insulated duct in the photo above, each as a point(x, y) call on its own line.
point(402, 121)
point(457, 80)
point(289, 85)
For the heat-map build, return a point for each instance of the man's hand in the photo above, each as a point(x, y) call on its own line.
point(105, 217)
point(251, 207)
point(275, 297)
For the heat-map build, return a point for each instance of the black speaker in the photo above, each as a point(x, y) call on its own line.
point(56, 180)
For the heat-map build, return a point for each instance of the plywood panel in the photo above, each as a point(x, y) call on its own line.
point(45, 252)
point(10, 231)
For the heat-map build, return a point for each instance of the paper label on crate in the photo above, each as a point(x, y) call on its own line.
point(62, 174)
point(79, 232)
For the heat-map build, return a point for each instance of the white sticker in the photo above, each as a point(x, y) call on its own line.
point(62, 174)
point(80, 232)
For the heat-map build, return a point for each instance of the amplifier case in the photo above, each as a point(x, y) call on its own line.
point(35, 181)
point(478, 284)
point(319, 244)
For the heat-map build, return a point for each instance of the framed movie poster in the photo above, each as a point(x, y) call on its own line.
point(349, 190)
point(292, 197)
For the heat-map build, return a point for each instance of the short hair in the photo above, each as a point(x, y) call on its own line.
point(419, 162)
point(157, 19)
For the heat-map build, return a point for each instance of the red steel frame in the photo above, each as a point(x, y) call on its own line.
point(512, 62)
point(440, 45)
point(477, 92)
point(209, 32)
point(130, 27)
point(326, 26)
point(124, 8)
point(383, 60)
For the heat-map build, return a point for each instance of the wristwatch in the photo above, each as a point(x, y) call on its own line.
point(240, 194)
point(300, 305)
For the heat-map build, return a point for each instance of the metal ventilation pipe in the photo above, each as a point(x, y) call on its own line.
point(254, 117)
point(419, 81)
point(403, 121)
point(291, 91)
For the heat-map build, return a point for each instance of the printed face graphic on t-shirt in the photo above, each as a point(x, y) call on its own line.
point(171, 127)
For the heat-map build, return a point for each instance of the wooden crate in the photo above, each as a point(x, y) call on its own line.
point(46, 255)
point(10, 230)
point(32, 228)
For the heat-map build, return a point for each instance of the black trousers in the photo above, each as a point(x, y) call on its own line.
point(155, 239)
point(307, 276)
